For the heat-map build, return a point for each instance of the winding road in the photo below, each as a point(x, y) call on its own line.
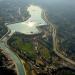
point(54, 35)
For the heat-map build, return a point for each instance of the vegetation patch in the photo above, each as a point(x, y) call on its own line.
point(24, 46)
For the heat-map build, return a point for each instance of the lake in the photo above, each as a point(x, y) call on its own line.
point(29, 26)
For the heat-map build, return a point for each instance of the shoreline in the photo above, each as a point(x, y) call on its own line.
point(43, 13)
point(9, 58)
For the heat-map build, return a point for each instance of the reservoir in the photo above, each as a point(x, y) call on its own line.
point(29, 26)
